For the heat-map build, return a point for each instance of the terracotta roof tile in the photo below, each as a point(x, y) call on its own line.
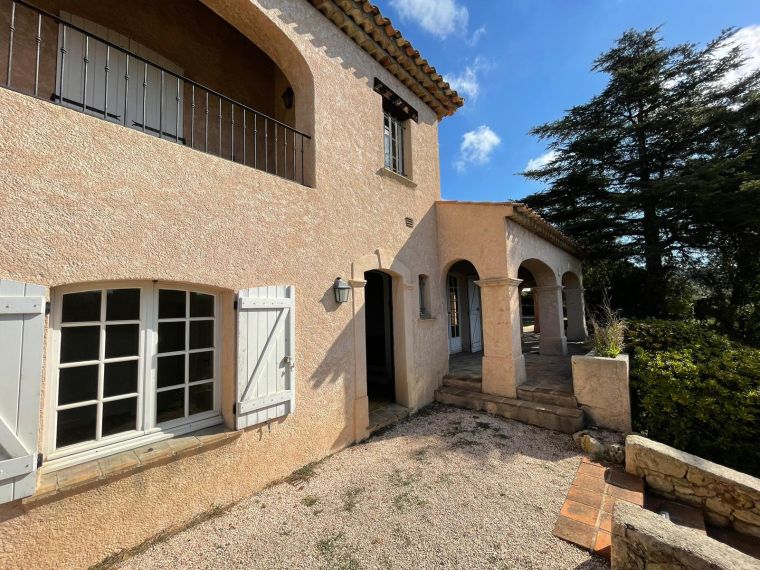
point(362, 21)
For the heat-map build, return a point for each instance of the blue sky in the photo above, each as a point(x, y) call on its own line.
point(520, 63)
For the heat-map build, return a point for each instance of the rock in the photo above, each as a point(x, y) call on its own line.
point(660, 483)
point(718, 506)
point(714, 519)
point(745, 528)
point(601, 444)
point(748, 517)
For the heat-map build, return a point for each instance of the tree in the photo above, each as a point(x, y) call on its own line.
point(617, 182)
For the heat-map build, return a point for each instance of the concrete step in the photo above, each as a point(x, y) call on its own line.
point(473, 384)
point(547, 396)
point(567, 420)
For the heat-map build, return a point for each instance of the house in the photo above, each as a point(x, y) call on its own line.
point(182, 182)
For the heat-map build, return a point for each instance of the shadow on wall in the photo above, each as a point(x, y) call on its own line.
point(333, 46)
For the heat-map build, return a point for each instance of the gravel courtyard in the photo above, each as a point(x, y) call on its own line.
point(448, 488)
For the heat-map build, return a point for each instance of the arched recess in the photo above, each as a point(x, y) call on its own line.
point(575, 311)
point(402, 287)
point(463, 308)
point(277, 38)
point(546, 295)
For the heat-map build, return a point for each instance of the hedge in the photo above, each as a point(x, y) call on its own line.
point(695, 389)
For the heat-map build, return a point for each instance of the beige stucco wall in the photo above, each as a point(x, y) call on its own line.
point(84, 200)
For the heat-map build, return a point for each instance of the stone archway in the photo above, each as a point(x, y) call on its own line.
point(402, 287)
point(547, 295)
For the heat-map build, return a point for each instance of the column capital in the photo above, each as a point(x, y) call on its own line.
point(498, 281)
point(357, 283)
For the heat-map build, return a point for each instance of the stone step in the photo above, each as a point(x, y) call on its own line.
point(567, 420)
point(473, 384)
point(547, 396)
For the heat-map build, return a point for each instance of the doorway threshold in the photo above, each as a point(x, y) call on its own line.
point(383, 413)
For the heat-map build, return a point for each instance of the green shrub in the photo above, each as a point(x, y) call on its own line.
point(696, 390)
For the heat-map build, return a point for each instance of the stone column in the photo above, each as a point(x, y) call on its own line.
point(576, 314)
point(552, 338)
point(361, 402)
point(503, 363)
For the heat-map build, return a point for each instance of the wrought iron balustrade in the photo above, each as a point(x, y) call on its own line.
point(50, 58)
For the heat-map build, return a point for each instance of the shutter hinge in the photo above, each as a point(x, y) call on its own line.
point(39, 460)
point(234, 409)
point(47, 307)
point(235, 304)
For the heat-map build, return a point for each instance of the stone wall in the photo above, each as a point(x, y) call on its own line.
point(727, 497)
point(643, 539)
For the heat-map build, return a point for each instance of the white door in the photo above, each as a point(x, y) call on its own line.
point(455, 332)
point(476, 330)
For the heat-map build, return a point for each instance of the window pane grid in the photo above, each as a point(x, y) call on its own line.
point(74, 428)
point(167, 408)
point(393, 135)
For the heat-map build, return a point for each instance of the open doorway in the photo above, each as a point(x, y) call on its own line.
point(378, 307)
point(465, 323)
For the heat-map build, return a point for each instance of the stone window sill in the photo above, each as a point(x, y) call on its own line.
point(427, 317)
point(397, 177)
point(101, 471)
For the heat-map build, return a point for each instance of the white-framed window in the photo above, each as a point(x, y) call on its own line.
point(130, 360)
point(393, 134)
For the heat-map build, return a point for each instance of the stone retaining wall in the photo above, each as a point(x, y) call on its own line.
point(643, 539)
point(726, 496)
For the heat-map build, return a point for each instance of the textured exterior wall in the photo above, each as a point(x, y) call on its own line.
point(726, 496)
point(643, 539)
point(84, 200)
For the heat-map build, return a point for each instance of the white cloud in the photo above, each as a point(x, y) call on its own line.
point(467, 83)
point(477, 35)
point(749, 37)
point(541, 161)
point(439, 17)
point(477, 147)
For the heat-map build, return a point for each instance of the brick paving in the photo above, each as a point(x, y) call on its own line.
point(586, 515)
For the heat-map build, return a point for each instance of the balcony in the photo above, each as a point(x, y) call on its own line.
point(140, 69)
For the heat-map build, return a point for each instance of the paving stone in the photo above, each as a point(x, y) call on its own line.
point(574, 531)
point(603, 543)
point(580, 512)
point(584, 496)
point(591, 483)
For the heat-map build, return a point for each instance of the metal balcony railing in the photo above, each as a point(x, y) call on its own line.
point(56, 60)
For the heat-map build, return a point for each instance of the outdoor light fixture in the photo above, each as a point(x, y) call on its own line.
point(341, 289)
point(288, 98)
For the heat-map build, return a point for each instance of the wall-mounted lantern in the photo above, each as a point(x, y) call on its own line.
point(341, 289)
point(288, 98)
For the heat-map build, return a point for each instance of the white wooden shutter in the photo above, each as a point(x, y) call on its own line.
point(266, 354)
point(22, 326)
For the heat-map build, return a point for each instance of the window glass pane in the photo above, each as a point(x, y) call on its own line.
point(123, 305)
point(201, 365)
point(75, 425)
point(77, 384)
point(81, 307)
point(171, 304)
point(120, 378)
point(170, 405)
point(118, 416)
point(201, 305)
point(171, 337)
point(122, 340)
point(171, 371)
point(201, 334)
point(80, 343)
point(201, 398)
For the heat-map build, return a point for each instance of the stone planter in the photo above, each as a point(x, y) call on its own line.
point(601, 387)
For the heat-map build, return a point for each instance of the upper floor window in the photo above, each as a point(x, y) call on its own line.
point(394, 143)
point(397, 115)
point(130, 360)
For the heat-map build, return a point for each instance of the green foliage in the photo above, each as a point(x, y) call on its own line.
point(695, 389)
point(657, 177)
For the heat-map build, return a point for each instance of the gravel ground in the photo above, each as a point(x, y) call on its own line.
point(447, 488)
